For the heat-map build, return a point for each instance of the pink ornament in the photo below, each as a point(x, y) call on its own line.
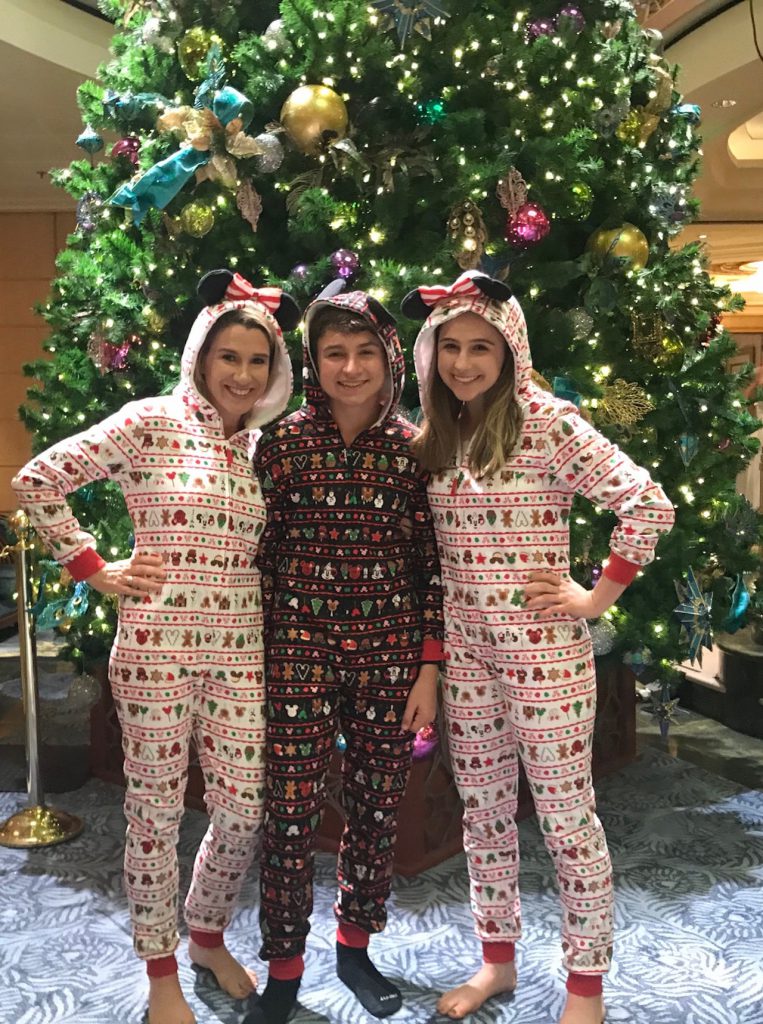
point(528, 226)
point(540, 27)
point(570, 18)
point(128, 147)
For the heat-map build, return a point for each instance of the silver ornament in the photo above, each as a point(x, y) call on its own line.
point(581, 323)
point(603, 636)
point(270, 158)
point(275, 37)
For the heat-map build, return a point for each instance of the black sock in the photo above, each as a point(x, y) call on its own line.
point(276, 1002)
point(379, 996)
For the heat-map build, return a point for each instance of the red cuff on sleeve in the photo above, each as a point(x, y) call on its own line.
point(620, 570)
point(85, 564)
point(432, 650)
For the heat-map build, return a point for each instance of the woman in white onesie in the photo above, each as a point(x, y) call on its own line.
point(187, 660)
point(507, 459)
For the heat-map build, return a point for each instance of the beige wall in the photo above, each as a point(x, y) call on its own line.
point(28, 246)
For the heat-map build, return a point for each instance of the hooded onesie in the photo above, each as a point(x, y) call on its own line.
point(355, 609)
point(187, 661)
point(521, 683)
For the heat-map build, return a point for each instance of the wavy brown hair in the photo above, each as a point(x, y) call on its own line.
point(234, 317)
point(494, 438)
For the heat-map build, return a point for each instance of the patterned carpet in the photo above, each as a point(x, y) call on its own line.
point(688, 854)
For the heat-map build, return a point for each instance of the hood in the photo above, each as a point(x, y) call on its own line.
point(381, 323)
point(463, 296)
point(273, 403)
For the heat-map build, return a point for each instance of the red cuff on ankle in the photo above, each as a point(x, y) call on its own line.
point(350, 935)
point(288, 969)
point(584, 984)
point(498, 952)
point(162, 966)
point(207, 940)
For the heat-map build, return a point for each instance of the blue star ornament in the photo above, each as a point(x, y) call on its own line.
point(411, 15)
point(693, 612)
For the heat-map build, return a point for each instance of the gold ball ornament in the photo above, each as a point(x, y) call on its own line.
point(197, 219)
point(193, 48)
point(629, 129)
point(670, 353)
point(314, 115)
point(626, 242)
point(155, 322)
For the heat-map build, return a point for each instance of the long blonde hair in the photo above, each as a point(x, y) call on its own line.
point(494, 438)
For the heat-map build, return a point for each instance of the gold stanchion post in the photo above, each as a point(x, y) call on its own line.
point(36, 825)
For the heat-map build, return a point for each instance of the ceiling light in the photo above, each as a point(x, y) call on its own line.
point(725, 103)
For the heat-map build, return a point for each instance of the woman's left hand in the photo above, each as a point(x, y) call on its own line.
point(549, 592)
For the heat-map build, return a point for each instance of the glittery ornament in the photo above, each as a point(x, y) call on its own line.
point(629, 129)
point(345, 263)
point(625, 242)
point(670, 353)
point(155, 322)
point(275, 38)
point(314, 115)
point(581, 322)
point(540, 27)
point(581, 200)
point(596, 571)
point(89, 209)
point(410, 16)
point(512, 191)
point(467, 233)
point(193, 49)
point(688, 445)
point(646, 332)
point(603, 636)
point(249, 202)
point(128, 148)
point(106, 356)
point(623, 403)
point(340, 743)
point(299, 271)
point(570, 19)
point(197, 219)
point(270, 157)
point(527, 227)
point(90, 140)
point(431, 111)
point(608, 118)
point(155, 33)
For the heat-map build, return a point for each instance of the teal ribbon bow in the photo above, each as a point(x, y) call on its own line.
point(157, 186)
point(564, 388)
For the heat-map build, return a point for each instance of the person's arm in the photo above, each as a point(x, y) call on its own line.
point(269, 472)
point(591, 465)
point(103, 451)
point(426, 572)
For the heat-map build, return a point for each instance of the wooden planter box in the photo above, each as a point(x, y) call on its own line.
point(430, 815)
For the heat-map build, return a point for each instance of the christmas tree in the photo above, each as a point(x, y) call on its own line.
point(391, 144)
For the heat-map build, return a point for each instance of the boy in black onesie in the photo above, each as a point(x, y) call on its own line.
point(354, 637)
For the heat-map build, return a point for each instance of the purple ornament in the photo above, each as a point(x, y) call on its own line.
point(571, 19)
point(596, 572)
point(127, 147)
point(528, 226)
point(425, 742)
point(300, 271)
point(540, 27)
point(345, 262)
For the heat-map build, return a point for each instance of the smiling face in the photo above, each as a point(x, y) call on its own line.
point(352, 371)
point(234, 372)
point(470, 356)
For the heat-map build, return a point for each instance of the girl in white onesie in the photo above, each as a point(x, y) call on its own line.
point(506, 459)
point(187, 660)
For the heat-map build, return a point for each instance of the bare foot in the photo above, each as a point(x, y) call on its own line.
point(231, 976)
point(166, 1002)
point(490, 980)
point(583, 1010)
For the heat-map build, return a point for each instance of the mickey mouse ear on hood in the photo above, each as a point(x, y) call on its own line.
point(419, 303)
point(213, 285)
point(332, 289)
point(214, 288)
